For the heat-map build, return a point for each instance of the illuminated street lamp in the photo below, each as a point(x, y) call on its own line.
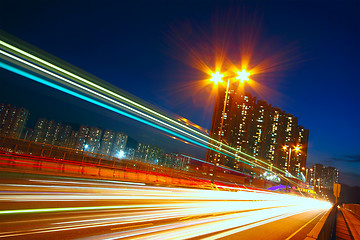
point(243, 76)
point(217, 78)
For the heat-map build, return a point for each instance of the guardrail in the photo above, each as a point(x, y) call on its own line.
point(325, 229)
point(19, 146)
point(351, 214)
point(45, 157)
point(33, 164)
point(354, 208)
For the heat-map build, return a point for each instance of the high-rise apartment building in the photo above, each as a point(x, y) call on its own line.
point(323, 177)
point(129, 153)
point(92, 142)
point(39, 130)
point(50, 132)
point(149, 153)
point(257, 128)
point(298, 162)
point(332, 176)
point(82, 136)
point(113, 143)
point(107, 142)
point(87, 139)
point(232, 127)
point(27, 134)
point(175, 160)
point(12, 120)
point(62, 135)
point(119, 143)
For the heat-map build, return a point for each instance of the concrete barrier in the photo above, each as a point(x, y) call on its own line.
point(66, 167)
point(118, 174)
point(354, 208)
point(352, 222)
point(324, 229)
point(24, 164)
point(152, 178)
point(106, 172)
point(70, 168)
point(51, 166)
point(90, 171)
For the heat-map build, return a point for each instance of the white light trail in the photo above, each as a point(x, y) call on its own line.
point(146, 109)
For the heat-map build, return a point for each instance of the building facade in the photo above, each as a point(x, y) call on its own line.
point(12, 120)
point(93, 140)
point(50, 132)
point(322, 177)
point(256, 128)
point(119, 144)
point(113, 143)
point(149, 153)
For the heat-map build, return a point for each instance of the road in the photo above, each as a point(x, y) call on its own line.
point(54, 207)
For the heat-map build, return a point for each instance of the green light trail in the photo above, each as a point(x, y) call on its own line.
point(139, 109)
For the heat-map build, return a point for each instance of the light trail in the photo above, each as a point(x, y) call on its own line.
point(43, 81)
point(40, 80)
point(203, 144)
point(102, 89)
point(177, 213)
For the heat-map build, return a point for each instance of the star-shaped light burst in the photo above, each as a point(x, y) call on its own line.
point(216, 77)
point(243, 76)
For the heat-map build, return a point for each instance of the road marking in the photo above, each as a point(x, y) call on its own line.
point(303, 226)
point(140, 225)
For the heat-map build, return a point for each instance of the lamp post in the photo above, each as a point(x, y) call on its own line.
point(306, 173)
point(217, 78)
point(297, 148)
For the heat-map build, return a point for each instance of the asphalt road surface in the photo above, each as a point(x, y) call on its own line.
point(54, 207)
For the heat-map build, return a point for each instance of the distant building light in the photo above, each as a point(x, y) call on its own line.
point(121, 154)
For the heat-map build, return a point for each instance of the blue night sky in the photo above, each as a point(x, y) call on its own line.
point(143, 47)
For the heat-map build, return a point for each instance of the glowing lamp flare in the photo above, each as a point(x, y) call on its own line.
point(217, 77)
point(243, 76)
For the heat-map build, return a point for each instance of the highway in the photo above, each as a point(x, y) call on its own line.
point(54, 207)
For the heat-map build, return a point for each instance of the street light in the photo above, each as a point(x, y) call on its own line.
point(243, 76)
point(306, 173)
point(217, 78)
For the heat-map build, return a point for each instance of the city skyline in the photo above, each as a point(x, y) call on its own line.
point(107, 142)
point(95, 139)
point(90, 139)
point(296, 89)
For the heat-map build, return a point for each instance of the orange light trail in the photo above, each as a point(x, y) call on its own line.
point(154, 212)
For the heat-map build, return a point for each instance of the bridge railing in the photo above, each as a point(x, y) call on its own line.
point(325, 228)
point(354, 208)
point(79, 157)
